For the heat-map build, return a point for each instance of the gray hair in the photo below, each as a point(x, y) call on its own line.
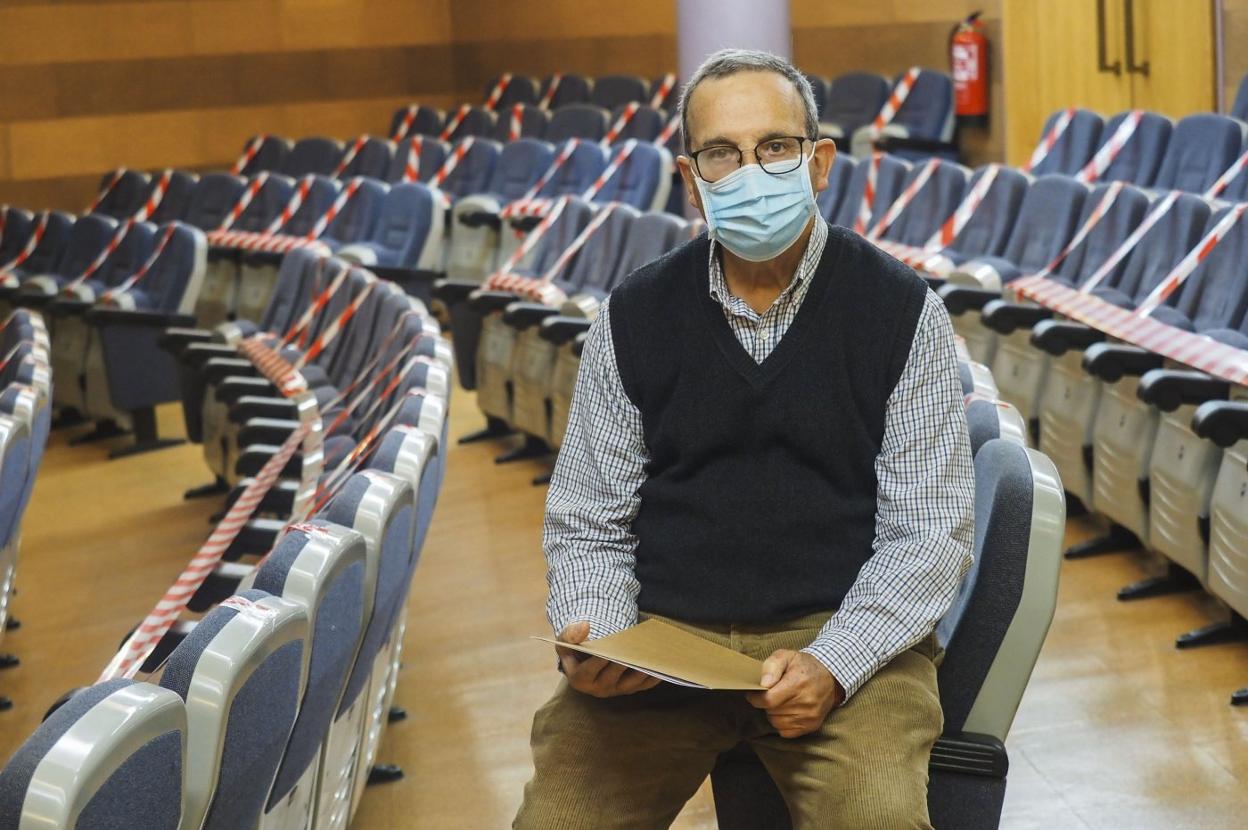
point(727, 62)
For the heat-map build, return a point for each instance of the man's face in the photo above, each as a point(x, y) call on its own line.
point(743, 110)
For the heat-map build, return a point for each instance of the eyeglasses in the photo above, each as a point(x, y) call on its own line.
point(779, 155)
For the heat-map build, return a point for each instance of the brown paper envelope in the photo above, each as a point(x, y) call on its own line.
point(675, 655)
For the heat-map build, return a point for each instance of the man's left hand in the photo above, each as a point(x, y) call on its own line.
point(800, 693)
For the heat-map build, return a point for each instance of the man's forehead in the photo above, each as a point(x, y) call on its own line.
point(746, 104)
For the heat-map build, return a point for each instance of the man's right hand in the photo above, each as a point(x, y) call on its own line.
point(594, 675)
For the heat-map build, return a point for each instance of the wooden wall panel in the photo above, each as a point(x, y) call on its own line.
point(1234, 47)
point(888, 36)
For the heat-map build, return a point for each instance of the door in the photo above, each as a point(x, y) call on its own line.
point(1168, 51)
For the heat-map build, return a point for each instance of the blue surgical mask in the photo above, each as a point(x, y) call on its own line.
point(755, 214)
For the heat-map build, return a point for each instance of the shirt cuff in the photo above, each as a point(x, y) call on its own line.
point(841, 652)
point(599, 626)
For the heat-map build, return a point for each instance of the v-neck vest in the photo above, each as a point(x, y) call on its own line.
point(760, 493)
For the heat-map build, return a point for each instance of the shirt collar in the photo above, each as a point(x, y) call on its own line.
point(805, 267)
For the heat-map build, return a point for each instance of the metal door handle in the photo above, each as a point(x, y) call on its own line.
point(1101, 64)
point(1128, 23)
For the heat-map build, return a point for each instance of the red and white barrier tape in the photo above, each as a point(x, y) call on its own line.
point(452, 161)
point(453, 123)
point(138, 275)
point(1179, 273)
point(1049, 140)
point(1094, 218)
point(102, 256)
point(503, 279)
point(611, 169)
point(549, 97)
point(626, 115)
point(405, 123)
point(108, 188)
point(244, 199)
point(249, 153)
point(867, 203)
point(515, 127)
point(349, 156)
point(673, 124)
point(345, 196)
point(272, 243)
point(330, 333)
point(157, 196)
point(1109, 151)
point(1128, 245)
point(292, 206)
point(903, 201)
point(895, 99)
point(301, 326)
point(953, 226)
point(411, 170)
point(526, 204)
point(664, 90)
point(1217, 188)
point(496, 94)
point(31, 244)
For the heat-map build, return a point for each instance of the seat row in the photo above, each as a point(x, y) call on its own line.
point(25, 417)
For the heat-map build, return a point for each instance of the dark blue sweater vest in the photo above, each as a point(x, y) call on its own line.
point(760, 497)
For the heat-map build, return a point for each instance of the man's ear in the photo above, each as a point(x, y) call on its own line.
point(685, 166)
point(821, 163)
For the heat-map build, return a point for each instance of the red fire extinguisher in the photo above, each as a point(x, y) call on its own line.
point(968, 58)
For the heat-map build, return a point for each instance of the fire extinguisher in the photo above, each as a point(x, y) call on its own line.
point(968, 59)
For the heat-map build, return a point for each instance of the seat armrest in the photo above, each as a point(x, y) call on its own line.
point(252, 458)
point(893, 143)
point(414, 281)
point(1060, 336)
point(480, 219)
point(484, 302)
point(232, 388)
point(256, 538)
point(960, 299)
point(198, 354)
point(1168, 389)
point(578, 343)
point(560, 329)
point(1225, 423)
point(63, 306)
point(1006, 317)
point(266, 431)
point(251, 406)
point(218, 369)
point(176, 339)
point(526, 315)
point(454, 291)
point(1111, 361)
point(524, 224)
point(106, 316)
point(970, 753)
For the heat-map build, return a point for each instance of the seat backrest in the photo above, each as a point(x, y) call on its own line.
point(520, 164)
point(829, 199)
point(16, 226)
point(1047, 219)
point(645, 124)
point(587, 121)
point(373, 159)
point(321, 193)
point(1075, 146)
point(988, 229)
point(993, 633)
point(267, 204)
point(359, 215)
point(521, 89)
point(577, 172)
point(572, 89)
point(113, 755)
point(424, 121)
point(1215, 295)
point(241, 672)
point(89, 236)
point(988, 419)
point(652, 235)
point(404, 224)
point(321, 567)
point(854, 99)
point(15, 450)
point(477, 121)
point(213, 198)
point(312, 156)
point(1122, 217)
point(575, 215)
point(819, 86)
point(530, 120)
point(126, 192)
point(927, 111)
point(270, 155)
point(173, 281)
point(931, 205)
point(173, 206)
point(300, 275)
point(1140, 158)
point(636, 181)
point(594, 266)
point(610, 91)
point(1239, 109)
point(888, 179)
point(381, 507)
point(129, 255)
point(474, 170)
point(53, 245)
point(1201, 147)
point(1161, 248)
point(431, 153)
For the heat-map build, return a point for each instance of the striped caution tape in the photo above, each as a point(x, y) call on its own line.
point(330, 333)
point(1109, 151)
point(896, 98)
point(504, 279)
point(134, 279)
point(1049, 140)
point(36, 236)
point(542, 289)
point(1179, 274)
point(411, 170)
point(866, 205)
point(625, 117)
point(1219, 187)
point(669, 130)
point(1128, 245)
point(102, 256)
point(347, 194)
point(549, 97)
point(106, 189)
point(496, 94)
point(301, 326)
point(1094, 218)
point(292, 206)
point(349, 155)
point(155, 197)
point(515, 126)
point(249, 153)
point(528, 205)
point(453, 123)
point(610, 170)
point(244, 199)
point(903, 201)
point(665, 89)
point(404, 126)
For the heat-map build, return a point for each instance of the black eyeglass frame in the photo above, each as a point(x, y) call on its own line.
point(801, 148)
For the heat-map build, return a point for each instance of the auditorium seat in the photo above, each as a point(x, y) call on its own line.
point(270, 155)
point(587, 121)
point(121, 193)
point(644, 124)
point(472, 173)
point(888, 178)
point(468, 121)
point(241, 672)
point(988, 419)
point(130, 249)
point(1071, 398)
point(1020, 369)
point(520, 89)
point(661, 98)
point(215, 194)
point(922, 126)
point(992, 638)
point(521, 121)
point(415, 120)
point(830, 198)
point(407, 234)
point(1150, 473)
point(114, 755)
point(853, 100)
point(176, 201)
point(372, 159)
point(16, 226)
point(312, 156)
point(430, 154)
point(355, 221)
point(1074, 147)
point(1201, 147)
point(931, 204)
point(87, 238)
point(475, 222)
point(322, 568)
point(1047, 218)
point(1140, 157)
point(17, 448)
point(611, 91)
point(569, 88)
point(643, 178)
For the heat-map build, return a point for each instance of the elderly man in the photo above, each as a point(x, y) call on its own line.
point(767, 447)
